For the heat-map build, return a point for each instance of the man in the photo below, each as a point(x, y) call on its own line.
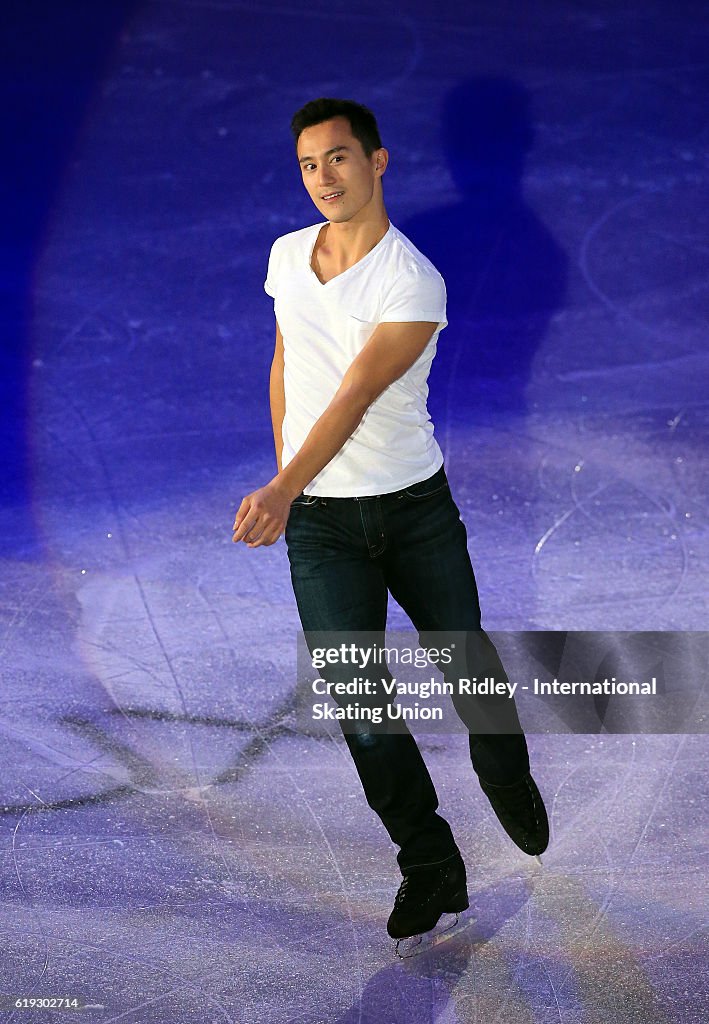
point(361, 491)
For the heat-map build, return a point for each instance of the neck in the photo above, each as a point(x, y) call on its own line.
point(350, 240)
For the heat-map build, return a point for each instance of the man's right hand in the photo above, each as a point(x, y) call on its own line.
point(262, 515)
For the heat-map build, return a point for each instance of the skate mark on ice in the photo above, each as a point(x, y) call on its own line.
point(132, 959)
point(595, 923)
point(262, 743)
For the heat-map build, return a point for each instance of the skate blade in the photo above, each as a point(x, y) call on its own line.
point(448, 926)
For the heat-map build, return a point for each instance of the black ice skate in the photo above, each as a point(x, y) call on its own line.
point(425, 894)
point(521, 812)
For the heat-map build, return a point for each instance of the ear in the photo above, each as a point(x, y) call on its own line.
point(382, 159)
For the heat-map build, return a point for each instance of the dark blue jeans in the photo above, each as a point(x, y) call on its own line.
point(346, 555)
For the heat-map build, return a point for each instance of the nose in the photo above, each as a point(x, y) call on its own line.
point(325, 175)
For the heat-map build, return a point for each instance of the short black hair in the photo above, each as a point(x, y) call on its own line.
point(363, 123)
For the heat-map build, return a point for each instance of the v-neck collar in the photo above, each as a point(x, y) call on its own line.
point(337, 277)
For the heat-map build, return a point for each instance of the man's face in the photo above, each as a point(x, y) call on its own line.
point(332, 161)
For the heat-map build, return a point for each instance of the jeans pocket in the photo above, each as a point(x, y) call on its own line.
point(304, 501)
point(427, 488)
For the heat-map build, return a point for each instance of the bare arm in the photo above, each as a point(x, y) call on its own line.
point(389, 352)
point(278, 397)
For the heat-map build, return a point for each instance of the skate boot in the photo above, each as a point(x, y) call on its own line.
point(521, 812)
point(425, 894)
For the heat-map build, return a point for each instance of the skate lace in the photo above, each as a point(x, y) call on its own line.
point(401, 894)
point(417, 883)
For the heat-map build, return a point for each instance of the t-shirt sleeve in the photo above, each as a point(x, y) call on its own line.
point(269, 285)
point(416, 295)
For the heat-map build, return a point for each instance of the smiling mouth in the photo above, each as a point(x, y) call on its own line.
point(333, 195)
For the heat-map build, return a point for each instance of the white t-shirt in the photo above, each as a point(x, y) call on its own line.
point(325, 326)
